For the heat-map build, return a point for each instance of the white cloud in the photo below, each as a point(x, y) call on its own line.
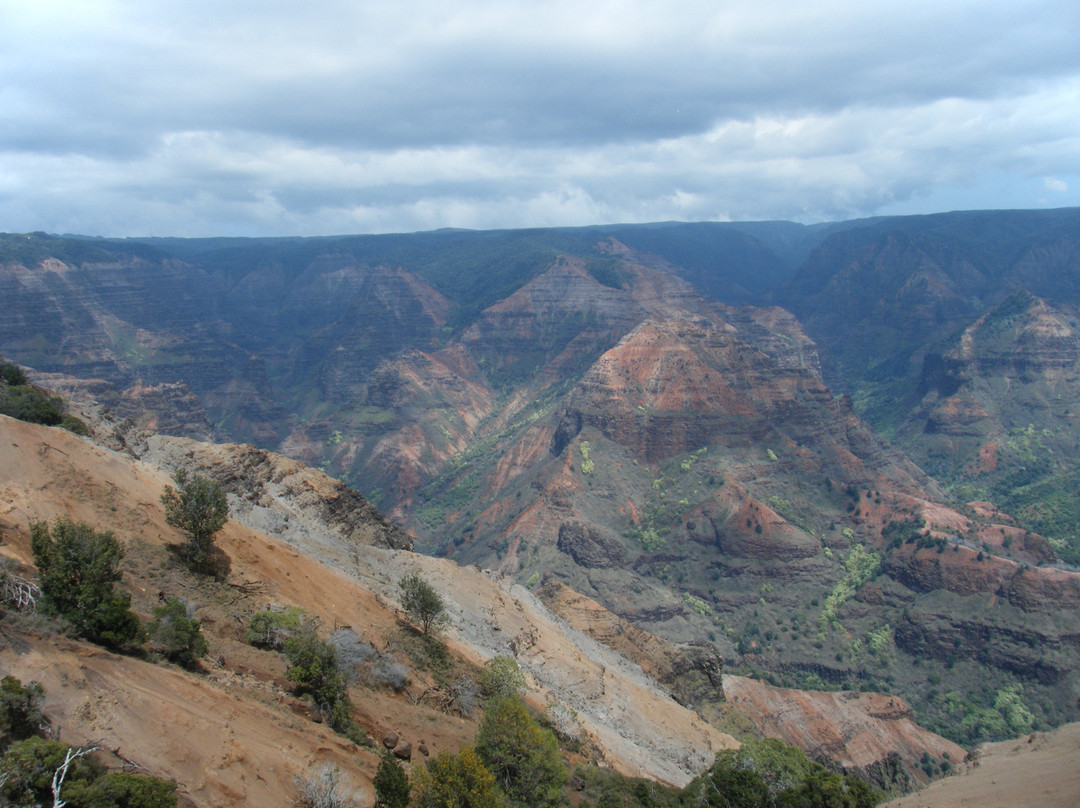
point(275, 117)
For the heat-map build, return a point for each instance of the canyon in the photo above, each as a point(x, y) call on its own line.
point(819, 459)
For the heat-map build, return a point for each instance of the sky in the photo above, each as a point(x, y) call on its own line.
point(274, 117)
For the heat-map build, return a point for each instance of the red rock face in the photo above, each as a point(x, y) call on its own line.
point(672, 386)
point(1017, 366)
point(872, 734)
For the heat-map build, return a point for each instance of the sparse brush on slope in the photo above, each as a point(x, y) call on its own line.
point(78, 567)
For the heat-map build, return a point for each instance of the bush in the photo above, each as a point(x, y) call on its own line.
point(502, 677)
point(422, 603)
point(389, 673)
point(391, 784)
point(456, 781)
point(463, 696)
point(326, 787)
point(29, 766)
point(351, 651)
point(125, 790)
point(773, 774)
point(175, 634)
point(270, 628)
point(12, 374)
point(20, 710)
point(313, 668)
point(523, 757)
point(77, 567)
point(199, 508)
point(30, 404)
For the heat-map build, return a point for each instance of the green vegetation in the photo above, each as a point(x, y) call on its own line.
point(879, 642)
point(270, 628)
point(391, 784)
point(77, 567)
point(19, 399)
point(502, 678)
point(523, 757)
point(860, 566)
point(1008, 717)
point(176, 634)
point(35, 770)
point(604, 788)
point(456, 781)
point(607, 271)
point(1050, 507)
point(587, 465)
point(772, 774)
point(697, 604)
point(20, 710)
point(422, 603)
point(993, 710)
point(314, 670)
point(198, 507)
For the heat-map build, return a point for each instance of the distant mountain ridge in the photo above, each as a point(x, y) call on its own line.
point(630, 410)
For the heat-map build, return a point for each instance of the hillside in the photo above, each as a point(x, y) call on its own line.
point(871, 488)
point(234, 734)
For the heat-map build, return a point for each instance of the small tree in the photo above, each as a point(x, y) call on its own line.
point(119, 789)
point(422, 603)
point(457, 781)
point(523, 757)
point(502, 677)
point(20, 710)
point(198, 507)
point(271, 627)
point(391, 784)
point(77, 567)
point(176, 634)
point(315, 670)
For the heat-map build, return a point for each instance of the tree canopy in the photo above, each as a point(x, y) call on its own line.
point(523, 757)
point(77, 567)
point(422, 603)
point(198, 507)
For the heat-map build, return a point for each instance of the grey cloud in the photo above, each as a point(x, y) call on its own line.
point(271, 117)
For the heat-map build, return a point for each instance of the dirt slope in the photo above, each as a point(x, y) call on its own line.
point(234, 736)
point(1039, 771)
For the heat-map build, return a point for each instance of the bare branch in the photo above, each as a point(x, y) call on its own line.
point(72, 755)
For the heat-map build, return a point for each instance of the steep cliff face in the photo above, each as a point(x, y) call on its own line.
point(290, 542)
point(577, 409)
point(873, 734)
point(1020, 361)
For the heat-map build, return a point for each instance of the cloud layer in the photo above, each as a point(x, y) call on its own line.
point(272, 117)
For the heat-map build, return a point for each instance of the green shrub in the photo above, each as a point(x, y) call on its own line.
point(422, 603)
point(270, 628)
point(125, 790)
point(175, 634)
point(198, 507)
point(29, 766)
point(501, 677)
point(12, 374)
point(456, 781)
point(391, 784)
point(20, 710)
point(31, 404)
point(523, 757)
point(315, 671)
point(77, 567)
point(770, 773)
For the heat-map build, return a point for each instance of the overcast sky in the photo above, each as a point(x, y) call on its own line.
point(274, 117)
